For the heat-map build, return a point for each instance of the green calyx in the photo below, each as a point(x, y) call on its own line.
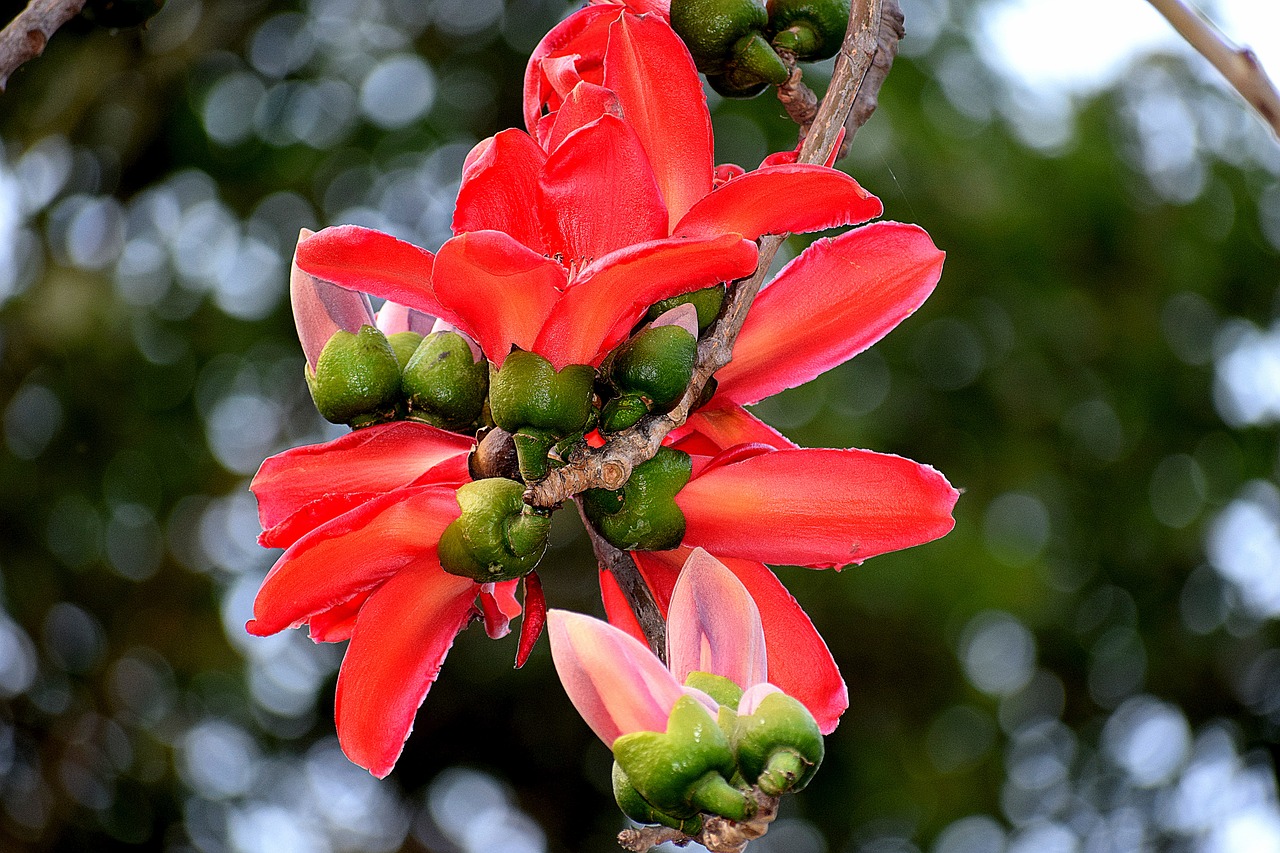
point(810, 29)
point(498, 537)
point(442, 382)
point(539, 406)
point(712, 28)
point(356, 380)
point(641, 810)
point(404, 344)
point(656, 363)
point(684, 770)
point(723, 690)
point(708, 301)
point(643, 515)
point(779, 747)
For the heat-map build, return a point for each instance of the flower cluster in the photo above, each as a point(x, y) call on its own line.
point(591, 254)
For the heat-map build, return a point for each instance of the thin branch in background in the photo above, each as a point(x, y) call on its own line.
point(1238, 65)
point(610, 466)
point(26, 35)
point(892, 31)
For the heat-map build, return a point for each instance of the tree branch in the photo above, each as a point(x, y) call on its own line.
point(610, 466)
point(1238, 65)
point(26, 35)
point(639, 596)
point(892, 31)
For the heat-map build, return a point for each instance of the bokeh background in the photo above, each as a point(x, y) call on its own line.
point(1089, 663)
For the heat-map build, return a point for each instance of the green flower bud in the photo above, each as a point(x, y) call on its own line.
point(708, 301)
point(811, 29)
point(622, 412)
point(724, 34)
point(539, 406)
point(684, 770)
point(403, 345)
point(357, 378)
point(444, 384)
point(733, 84)
point(498, 537)
point(657, 363)
point(778, 747)
point(723, 690)
point(642, 515)
point(641, 810)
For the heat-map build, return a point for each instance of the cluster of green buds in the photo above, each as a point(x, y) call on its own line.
point(363, 371)
point(736, 43)
point(365, 377)
point(705, 765)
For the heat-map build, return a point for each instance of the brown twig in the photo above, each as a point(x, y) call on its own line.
point(1238, 65)
point(892, 31)
point(631, 582)
point(609, 467)
point(718, 835)
point(26, 35)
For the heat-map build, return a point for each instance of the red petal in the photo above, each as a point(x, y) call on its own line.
point(303, 488)
point(611, 294)
point(651, 70)
point(711, 430)
point(353, 552)
point(499, 189)
point(373, 262)
point(401, 638)
point(820, 508)
point(583, 105)
point(336, 624)
point(582, 36)
point(799, 661)
point(661, 8)
point(500, 291)
point(833, 301)
point(781, 200)
point(598, 192)
point(498, 606)
point(617, 608)
point(535, 617)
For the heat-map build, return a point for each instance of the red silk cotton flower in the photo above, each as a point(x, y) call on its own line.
point(564, 237)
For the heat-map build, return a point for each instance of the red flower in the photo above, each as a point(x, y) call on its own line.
point(564, 239)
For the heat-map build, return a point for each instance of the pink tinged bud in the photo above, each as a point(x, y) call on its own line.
point(320, 309)
point(704, 698)
point(713, 624)
point(615, 682)
point(751, 699)
point(394, 318)
point(442, 325)
point(685, 316)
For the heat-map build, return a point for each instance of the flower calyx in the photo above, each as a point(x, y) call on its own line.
point(707, 302)
point(444, 385)
point(539, 406)
point(498, 537)
point(649, 373)
point(686, 769)
point(356, 380)
point(778, 745)
point(727, 37)
point(643, 515)
point(812, 30)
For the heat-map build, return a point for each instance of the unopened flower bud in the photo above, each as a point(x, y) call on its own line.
point(778, 744)
point(728, 34)
point(539, 406)
point(443, 383)
point(723, 690)
point(356, 379)
point(404, 345)
point(498, 537)
point(643, 515)
point(810, 29)
point(684, 770)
